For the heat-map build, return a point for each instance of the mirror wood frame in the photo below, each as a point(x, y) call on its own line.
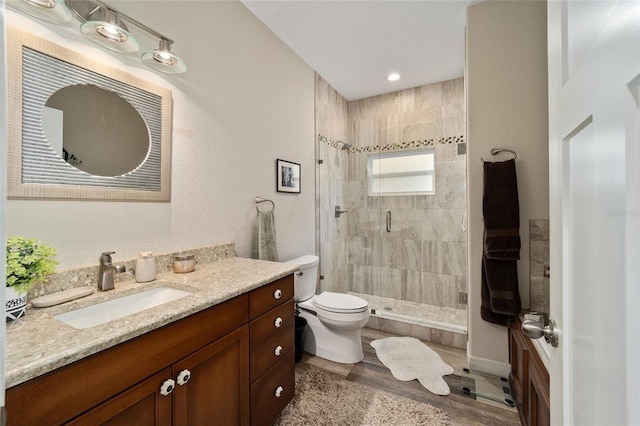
point(17, 188)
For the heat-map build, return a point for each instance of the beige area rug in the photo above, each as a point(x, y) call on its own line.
point(324, 399)
point(408, 358)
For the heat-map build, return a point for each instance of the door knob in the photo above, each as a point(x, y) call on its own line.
point(541, 327)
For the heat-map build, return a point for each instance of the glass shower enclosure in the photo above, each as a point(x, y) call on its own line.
point(391, 224)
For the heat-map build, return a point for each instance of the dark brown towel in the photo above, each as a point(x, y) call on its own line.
point(499, 284)
point(501, 211)
point(499, 306)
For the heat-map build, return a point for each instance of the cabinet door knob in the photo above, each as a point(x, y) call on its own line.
point(277, 294)
point(278, 322)
point(183, 377)
point(279, 391)
point(278, 350)
point(167, 387)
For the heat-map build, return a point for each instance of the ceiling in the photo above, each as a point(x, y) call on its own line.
point(355, 45)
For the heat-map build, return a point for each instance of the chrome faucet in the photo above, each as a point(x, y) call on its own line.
point(108, 271)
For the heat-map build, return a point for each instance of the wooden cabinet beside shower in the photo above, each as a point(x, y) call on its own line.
point(529, 379)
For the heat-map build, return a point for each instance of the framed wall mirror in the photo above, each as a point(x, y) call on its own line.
point(80, 129)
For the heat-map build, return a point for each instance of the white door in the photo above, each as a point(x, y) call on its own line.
point(594, 124)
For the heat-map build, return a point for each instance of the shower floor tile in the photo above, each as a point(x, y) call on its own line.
point(403, 309)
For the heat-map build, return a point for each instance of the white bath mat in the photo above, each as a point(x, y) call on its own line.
point(408, 358)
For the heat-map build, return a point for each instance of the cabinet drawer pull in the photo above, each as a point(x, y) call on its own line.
point(279, 391)
point(278, 322)
point(167, 387)
point(277, 294)
point(184, 377)
point(278, 350)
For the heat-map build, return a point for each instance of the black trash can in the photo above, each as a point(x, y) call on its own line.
point(301, 329)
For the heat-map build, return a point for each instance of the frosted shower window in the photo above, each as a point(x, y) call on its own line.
point(402, 172)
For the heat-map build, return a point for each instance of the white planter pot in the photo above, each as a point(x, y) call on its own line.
point(16, 304)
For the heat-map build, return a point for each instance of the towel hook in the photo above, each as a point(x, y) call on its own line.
point(496, 151)
point(265, 200)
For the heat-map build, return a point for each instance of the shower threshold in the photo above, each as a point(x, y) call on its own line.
point(427, 322)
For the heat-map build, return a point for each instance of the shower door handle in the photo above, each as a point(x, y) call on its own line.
point(388, 220)
point(338, 212)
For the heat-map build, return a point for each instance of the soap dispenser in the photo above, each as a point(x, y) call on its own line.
point(145, 267)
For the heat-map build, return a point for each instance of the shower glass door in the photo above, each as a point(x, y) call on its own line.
point(414, 249)
point(401, 243)
point(331, 197)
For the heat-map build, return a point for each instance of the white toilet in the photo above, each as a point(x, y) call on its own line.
point(334, 320)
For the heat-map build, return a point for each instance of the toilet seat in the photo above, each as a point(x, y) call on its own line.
point(340, 303)
point(335, 316)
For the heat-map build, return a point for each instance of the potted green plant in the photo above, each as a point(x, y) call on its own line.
point(28, 261)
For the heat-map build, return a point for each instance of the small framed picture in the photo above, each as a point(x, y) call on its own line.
point(287, 176)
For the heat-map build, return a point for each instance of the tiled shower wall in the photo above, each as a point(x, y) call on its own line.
point(539, 265)
point(423, 258)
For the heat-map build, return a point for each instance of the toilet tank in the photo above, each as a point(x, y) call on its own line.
point(306, 278)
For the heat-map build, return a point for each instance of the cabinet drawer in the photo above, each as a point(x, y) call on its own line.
point(266, 326)
point(266, 356)
point(269, 296)
point(279, 380)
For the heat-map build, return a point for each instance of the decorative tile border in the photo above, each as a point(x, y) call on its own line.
point(88, 276)
point(395, 146)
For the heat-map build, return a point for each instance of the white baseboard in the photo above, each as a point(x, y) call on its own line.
point(489, 366)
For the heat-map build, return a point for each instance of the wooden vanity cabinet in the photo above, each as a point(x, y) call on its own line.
point(529, 379)
point(122, 385)
point(214, 393)
point(141, 405)
point(272, 372)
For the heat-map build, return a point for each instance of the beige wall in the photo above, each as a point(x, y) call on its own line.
point(506, 83)
point(245, 101)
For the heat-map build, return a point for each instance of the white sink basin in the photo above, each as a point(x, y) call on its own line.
point(121, 307)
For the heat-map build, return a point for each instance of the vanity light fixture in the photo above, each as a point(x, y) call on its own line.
point(105, 26)
point(162, 59)
point(393, 77)
point(53, 11)
point(110, 33)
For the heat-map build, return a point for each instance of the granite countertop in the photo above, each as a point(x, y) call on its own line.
point(39, 343)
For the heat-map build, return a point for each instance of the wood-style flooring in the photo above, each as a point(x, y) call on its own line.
point(463, 409)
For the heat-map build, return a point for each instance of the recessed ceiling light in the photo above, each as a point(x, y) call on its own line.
point(393, 77)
